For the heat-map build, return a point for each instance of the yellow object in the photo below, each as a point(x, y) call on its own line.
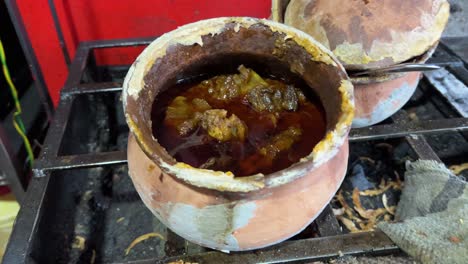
point(8, 210)
point(142, 238)
point(457, 169)
point(17, 121)
point(79, 243)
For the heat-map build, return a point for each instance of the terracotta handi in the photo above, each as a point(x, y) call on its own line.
point(370, 34)
point(377, 100)
point(379, 97)
point(216, 209)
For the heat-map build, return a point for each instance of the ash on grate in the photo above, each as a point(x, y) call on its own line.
point(372, 187)
point(454, 90)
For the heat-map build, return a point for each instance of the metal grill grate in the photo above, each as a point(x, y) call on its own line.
point(81, 187)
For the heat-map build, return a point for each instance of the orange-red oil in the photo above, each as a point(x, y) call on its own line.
point(241, 158)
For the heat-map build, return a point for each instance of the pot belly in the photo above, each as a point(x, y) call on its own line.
point(235, 222)
point(376, 102)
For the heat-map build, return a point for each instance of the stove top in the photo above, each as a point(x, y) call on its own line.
point(81, 206)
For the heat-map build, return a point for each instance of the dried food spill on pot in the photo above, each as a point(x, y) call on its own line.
point(240, 122)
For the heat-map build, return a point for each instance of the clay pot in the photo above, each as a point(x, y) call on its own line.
point(377, 100)
point(368, 35)
point(214, 208)
point(379, 97)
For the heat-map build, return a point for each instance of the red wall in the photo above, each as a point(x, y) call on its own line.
point(84, 20)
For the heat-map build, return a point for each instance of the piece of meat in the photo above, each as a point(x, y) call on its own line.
point(289, 98)
point(221, 127)
point(179, 109)
point(266, 155)
point(228, 87)
point(250, 80)
point(262, 94)
point(261, 99)
point(189, 125)
point(274, 98)
point(300, 96)
point(281, 142)
point(224, 87)
point(185, 115)
point(200, 104)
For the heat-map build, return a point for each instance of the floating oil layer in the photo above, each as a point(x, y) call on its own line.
point(238, 122)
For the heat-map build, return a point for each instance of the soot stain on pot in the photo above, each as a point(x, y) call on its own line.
point(263, 128)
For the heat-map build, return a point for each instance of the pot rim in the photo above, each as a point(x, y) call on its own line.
point(225, 181)
point(392, 76)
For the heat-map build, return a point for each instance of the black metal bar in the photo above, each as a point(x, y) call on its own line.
point(59, 32)
point(82, 161)
point(375, 243)
point(327, 223)
point(451, 88)
point(369, 133)
point(31, 58)
point(460, 72)
point(77, 67)
point(422, 148)
point(24, 230)
point(332, 243)
point(90, 73)
point(403, 129)
point(98, 44)
point(9, 166)
point(56, 131)
point(456, 46)
point(443, 58)
point(418, 143)
point(86, 88)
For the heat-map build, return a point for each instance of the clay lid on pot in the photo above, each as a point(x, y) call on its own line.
point(367, 34)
